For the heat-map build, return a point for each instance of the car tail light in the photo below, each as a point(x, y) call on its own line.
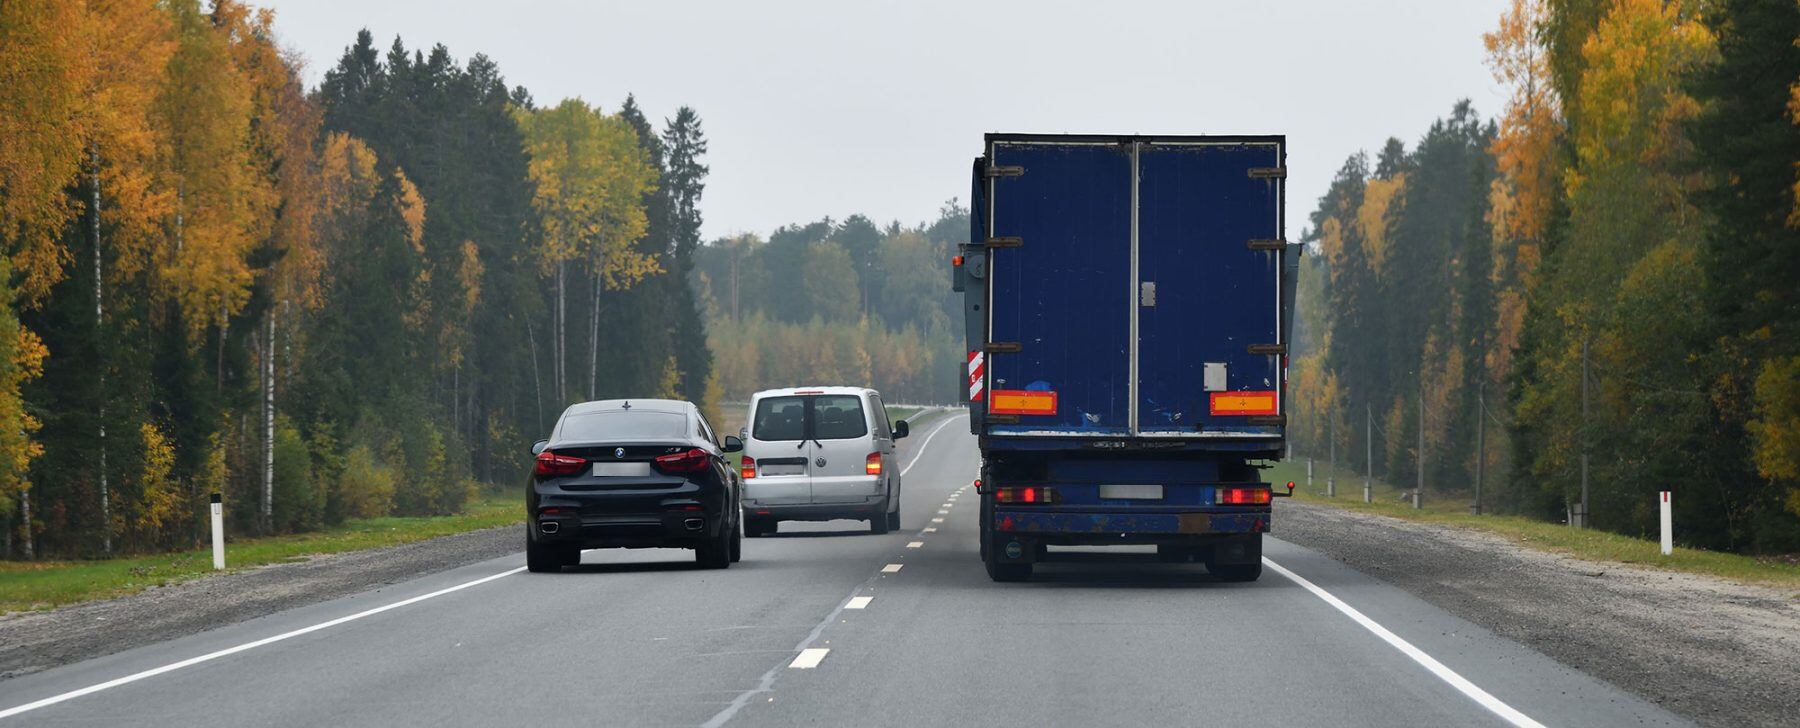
point(1242, 496)
point(872, 464)
point(683, 462)
point(747, 469)
point(550, 464)
point(1032, 494)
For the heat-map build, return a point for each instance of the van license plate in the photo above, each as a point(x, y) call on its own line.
point(780, 469)
point(1132, 491)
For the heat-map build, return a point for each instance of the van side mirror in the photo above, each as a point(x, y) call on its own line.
point(733, 444)
point(901, 429)
point(537, 448)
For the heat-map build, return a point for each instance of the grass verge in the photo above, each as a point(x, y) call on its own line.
point(1588, 544)
point(27, 585)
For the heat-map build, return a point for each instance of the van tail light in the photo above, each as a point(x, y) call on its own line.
point(1029, 494)
point(690, 461)
point(550, 464)
point(1242, 496)
point(747, 469)
point(872, 464)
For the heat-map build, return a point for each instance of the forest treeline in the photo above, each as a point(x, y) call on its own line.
point(837, 303)
point(360, 299)
point(1604, 277)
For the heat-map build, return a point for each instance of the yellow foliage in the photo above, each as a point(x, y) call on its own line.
point(1376, 215)
point(159, 496)
point(591, 178)
point(1775, 431)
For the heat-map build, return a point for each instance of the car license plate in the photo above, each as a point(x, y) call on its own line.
point(1132, 491)
point(621, 470)
point(767, 469)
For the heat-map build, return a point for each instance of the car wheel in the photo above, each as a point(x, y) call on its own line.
point(737, 542)
point(893, 520)
point(715, 553)
point(542, 558)
point(758, 527)
point(879, 524)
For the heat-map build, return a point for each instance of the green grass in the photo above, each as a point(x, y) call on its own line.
point(1588, 544)
point(26, 585)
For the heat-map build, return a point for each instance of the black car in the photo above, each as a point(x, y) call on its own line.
point(639, 473)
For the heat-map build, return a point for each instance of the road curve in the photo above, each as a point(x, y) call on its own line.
point(827, 624)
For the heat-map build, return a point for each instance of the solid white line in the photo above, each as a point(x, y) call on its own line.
point(171, 667)
point(927, 442)
point(1462, 684)
point(915, 544)
point(891, 568)
point(859, 602)
point(809, 658)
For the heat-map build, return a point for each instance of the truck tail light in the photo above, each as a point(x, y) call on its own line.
point(872, 464)
point(1028, 494)
point(1242, 496)
point(550, 464)
point(683, 462)
point(747, 469)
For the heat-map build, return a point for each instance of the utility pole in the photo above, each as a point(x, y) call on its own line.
point(1368, 452)
point(1480, 443)
point(1331, 475)
point(1420, 488)
point(1581, 516)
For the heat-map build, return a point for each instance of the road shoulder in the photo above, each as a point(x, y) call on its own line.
point(1715, 651)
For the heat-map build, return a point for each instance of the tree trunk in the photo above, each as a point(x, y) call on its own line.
point(268, 494)
point(99, 322)
point(594, 341)
point(25, 512)
point(561, 339)
point(537, 387)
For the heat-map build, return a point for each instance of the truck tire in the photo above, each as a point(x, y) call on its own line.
point(1236, 572)
point(1170, 553)
point(1008, 572)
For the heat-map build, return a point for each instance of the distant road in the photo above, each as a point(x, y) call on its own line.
point(825, 624)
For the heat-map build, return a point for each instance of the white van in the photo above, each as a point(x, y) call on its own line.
point(819, 454)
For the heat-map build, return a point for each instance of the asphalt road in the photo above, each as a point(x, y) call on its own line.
point(817, 626)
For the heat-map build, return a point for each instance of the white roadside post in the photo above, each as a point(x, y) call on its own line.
point(1668, 524)
point(218, 533)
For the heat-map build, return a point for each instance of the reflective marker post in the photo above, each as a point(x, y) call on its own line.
point(218, 532)
point(1668, 523)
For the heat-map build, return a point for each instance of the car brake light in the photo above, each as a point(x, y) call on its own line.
point(872, 464)
point(550, 464)
point(1242, 496)
point(683, 462)
point(747, 469)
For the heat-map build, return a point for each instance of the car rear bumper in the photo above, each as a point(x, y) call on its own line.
point(629, 530)
point(865, 510)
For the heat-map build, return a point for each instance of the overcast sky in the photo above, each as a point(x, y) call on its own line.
point(829, 108)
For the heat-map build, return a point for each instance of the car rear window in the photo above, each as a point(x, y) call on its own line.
point(838, 417)
point(606, 426)
point(780, 418)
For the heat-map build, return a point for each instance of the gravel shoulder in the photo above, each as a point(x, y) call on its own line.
point(35, 641)
point(1718, 652)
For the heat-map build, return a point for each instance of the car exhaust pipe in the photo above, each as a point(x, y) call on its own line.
point(694, 524)
point(548, 527)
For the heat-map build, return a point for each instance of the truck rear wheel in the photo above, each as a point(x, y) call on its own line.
point(1236, 572)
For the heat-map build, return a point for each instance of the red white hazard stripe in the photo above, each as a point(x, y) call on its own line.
point(977, 372)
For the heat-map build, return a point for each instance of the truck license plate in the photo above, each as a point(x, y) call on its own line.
point(1132, 491)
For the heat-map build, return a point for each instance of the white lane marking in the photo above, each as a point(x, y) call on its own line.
point(930, 529)
point(942, 511)
point(891, 568)
point(173, 666)
point(937, 520)
point(809, 658)
point(1462, 684)
point(859, 602)
point(915, 544)
point(927, 442)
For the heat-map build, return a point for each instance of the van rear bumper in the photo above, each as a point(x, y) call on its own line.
point(870, 508)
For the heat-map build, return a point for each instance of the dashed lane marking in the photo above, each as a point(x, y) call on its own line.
point(859, 602)
point(915, 544)
point(809, 658)
point(937, 520)
point(891, 568)
point(930, 529)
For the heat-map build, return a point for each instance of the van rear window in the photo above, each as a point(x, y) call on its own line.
point(830, 417)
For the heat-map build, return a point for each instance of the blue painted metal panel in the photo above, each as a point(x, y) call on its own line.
point(1064, 295)
point(1198, 209)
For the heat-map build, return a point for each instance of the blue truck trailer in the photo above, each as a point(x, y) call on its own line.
point(1127, 303)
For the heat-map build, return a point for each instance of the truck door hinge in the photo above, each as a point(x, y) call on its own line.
point(1268, 349)
point(1268, 173)
point(1002, 347)
point(1005, 242)
point(1275, 245)
point(997, 171)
